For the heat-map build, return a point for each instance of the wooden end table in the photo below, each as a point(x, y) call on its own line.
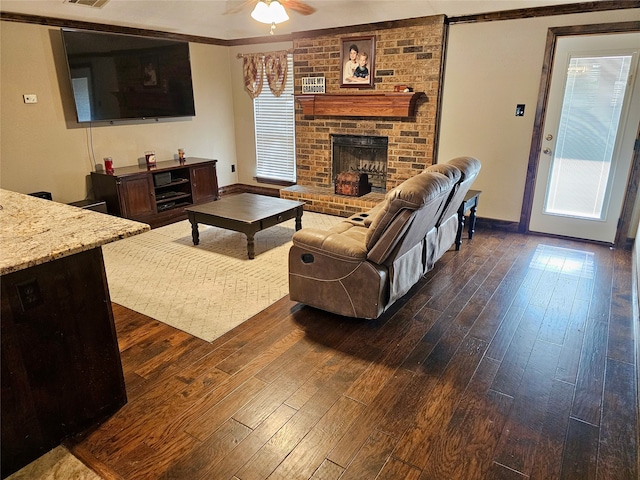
point(247, 213)
point(470, 203)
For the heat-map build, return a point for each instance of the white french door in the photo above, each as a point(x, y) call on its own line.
point(589, 130)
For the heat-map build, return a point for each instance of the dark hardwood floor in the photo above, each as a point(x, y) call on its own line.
point(514, 358)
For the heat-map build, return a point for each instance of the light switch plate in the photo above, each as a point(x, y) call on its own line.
point(30, 98)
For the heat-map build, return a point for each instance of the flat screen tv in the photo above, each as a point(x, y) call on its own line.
point(123, 77)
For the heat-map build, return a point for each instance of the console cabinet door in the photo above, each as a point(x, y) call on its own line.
point(136, 196)
point(204, 183)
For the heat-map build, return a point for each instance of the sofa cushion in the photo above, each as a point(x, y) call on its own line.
point(389, 239)
point(409, 195)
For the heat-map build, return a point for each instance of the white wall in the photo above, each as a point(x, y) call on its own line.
point(42, 147)
point(491, 67)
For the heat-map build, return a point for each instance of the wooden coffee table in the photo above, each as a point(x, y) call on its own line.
point(247, 213)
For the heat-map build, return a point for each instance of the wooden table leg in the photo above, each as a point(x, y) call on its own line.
point(195, 234)
point(251, 246)
point(299, 212)
point(472, 220)
point(458, 241)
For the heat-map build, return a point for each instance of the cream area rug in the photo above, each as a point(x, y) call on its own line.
point(208, 289)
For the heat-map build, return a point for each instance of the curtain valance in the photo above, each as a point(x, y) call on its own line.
point(257, 66)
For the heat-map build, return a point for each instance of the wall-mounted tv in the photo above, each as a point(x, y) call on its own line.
point(123, 77)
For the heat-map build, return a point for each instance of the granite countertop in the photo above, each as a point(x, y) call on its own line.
point(35, 231)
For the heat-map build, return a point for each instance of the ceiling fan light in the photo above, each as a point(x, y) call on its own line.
point(261, 13)
point(269, 12)
point(278, 13)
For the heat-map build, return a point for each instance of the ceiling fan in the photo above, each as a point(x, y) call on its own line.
point(272, 11)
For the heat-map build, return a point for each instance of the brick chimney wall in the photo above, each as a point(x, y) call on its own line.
point(407, 53)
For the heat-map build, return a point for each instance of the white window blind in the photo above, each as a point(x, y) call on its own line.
point(275, 132)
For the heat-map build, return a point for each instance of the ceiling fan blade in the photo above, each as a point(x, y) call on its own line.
point(238, 8)
point(298, 6)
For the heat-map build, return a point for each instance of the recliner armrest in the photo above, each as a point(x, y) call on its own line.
point(364, 219)
point(328, 242)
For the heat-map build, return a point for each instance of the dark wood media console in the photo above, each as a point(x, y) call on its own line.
point(157, 196)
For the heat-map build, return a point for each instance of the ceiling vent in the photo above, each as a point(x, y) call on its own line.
point(88, 3)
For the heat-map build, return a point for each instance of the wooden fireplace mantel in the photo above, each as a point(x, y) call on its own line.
point(382, 104)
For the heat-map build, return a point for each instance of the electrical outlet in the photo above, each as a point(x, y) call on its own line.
point(30, 98)
point(233, 168)
point(520, 110)
point(29, 294)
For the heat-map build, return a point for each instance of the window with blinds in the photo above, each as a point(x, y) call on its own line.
point(275, 132)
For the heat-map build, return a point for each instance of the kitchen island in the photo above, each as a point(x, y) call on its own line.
point(61, 369)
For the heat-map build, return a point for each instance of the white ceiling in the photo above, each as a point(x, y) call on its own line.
point(207, 18)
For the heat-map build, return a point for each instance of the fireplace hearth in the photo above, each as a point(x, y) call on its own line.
point(361, 154)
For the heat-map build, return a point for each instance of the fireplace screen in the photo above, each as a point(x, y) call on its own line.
point(361, 154)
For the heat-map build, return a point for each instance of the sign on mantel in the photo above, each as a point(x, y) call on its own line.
point(313, 85)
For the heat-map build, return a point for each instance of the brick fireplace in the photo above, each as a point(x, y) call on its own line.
point(408, 52)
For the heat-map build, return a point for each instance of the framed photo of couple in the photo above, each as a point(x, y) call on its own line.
point(357, 60)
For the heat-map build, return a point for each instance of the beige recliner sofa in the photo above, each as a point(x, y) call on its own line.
point(362, 265)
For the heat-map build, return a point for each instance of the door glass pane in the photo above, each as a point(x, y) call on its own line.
point(591, 112)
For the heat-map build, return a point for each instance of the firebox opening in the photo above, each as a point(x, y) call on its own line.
point(361, 154)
